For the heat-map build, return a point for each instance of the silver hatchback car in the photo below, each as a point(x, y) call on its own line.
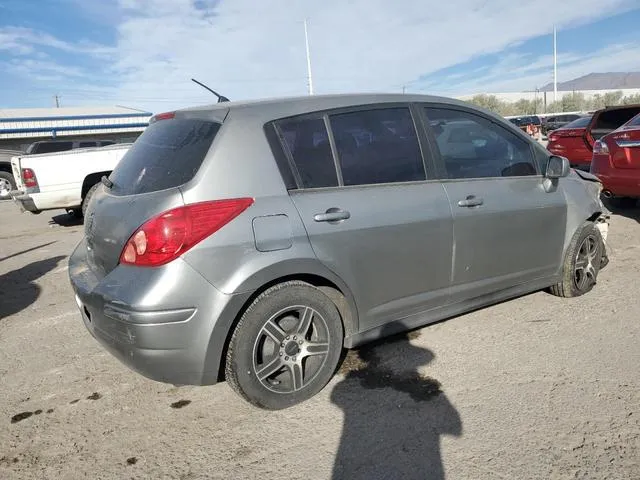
point(253, 241)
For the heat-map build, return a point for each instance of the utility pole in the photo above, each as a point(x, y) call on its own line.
point(555, 65)
point(306, 42)
point(403, 89)
point(57, 99)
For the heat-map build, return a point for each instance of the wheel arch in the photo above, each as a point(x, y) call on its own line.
point(314, 274)
point(90, 180)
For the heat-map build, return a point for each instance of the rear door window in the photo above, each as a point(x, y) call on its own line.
point(377, 146)
point(307, 144)
point(168, 154)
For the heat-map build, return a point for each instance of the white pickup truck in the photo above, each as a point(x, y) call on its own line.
point(62, 180)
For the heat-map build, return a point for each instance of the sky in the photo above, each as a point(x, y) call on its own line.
point(143, 53)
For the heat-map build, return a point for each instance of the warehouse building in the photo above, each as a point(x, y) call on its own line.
point(21, 127)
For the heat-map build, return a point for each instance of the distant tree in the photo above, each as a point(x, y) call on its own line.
point(631, 99)
point(490, 102)
point(613, 98)
point(573, 102)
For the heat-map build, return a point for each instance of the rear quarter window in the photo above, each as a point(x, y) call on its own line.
point(168, 154)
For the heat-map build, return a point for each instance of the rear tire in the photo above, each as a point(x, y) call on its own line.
point(582, 263)
point(286, 346)
point(7, 183)
point(87, 198)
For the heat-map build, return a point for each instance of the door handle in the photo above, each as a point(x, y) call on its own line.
point(471, 201)
point(332, 215)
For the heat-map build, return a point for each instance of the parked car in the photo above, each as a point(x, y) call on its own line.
point(51, 146)
point(7, 182)
point(530, 124)
point(616, 162)
point(555, 122)
point(252, 241)
point(66, 180)
point(570, 142)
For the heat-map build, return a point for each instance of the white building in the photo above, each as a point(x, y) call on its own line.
point(20, 127)
point(532, 95)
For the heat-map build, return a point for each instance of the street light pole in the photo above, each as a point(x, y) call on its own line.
point(306, 42)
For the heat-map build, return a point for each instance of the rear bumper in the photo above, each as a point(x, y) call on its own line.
point(134, 314)
point(24, 201)
point(623, 182)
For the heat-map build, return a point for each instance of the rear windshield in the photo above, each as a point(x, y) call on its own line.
point(635, 121)
point(579, 123)
point(49, 147)
point(168, 154)
point(612, 119)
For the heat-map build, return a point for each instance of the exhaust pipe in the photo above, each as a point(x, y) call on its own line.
point(607, 194)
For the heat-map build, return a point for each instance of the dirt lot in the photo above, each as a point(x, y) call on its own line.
point(535, 388)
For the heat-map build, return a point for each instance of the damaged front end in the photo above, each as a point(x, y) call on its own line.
point(602, 221)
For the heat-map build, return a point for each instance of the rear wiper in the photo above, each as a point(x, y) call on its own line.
point(106, 182)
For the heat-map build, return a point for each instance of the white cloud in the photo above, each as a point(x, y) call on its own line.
point(248, 49)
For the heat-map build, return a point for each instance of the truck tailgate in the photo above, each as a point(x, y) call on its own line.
point(17, 175)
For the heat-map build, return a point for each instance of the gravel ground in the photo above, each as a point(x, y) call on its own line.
point(534, 388)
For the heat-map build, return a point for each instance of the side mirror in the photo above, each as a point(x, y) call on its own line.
point(557, 167)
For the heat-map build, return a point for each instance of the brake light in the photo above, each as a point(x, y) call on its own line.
point(600, 148)
point(29, 178)
point(170, 234)
point(564, 133)
point(163, 116)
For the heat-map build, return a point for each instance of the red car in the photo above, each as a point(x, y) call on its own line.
point(570, 141)
point(616, 162)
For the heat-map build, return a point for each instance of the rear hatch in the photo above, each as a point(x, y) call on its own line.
point(607, 120)
point(146, 181)
point(626, 151)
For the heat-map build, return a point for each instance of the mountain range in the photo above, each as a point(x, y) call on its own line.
point(599, 81)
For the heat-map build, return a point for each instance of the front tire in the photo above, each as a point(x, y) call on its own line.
point(582, 263)
point(286, 346)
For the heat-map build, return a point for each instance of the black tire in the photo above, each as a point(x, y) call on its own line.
point(311, 350)
point(87, 198)
point(6, 179)
point(582, 263)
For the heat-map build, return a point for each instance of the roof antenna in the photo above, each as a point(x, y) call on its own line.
point(220, 97)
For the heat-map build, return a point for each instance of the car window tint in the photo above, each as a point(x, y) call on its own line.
point(53, 147)
point(635, 121)
point(579, 123)
point(86, 144)
point(308, 144)
point(474, 147)
point(377, 146)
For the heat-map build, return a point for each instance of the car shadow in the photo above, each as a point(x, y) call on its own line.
point(393, 414)
point(66, 220)
point(18, 289)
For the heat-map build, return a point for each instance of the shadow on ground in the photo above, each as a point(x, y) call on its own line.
point(626, 208)
point(393, 415)
point(66, 220)
point(17, 288)
point(22, 252)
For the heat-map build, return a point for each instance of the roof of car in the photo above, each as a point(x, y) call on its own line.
point(284, 106)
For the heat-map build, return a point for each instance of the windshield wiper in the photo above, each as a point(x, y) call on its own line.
point(106, 182)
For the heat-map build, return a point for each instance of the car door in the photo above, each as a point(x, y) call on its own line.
point(373, 213)
point(508, 229)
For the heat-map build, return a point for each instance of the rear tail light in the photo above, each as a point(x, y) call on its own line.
point(170, 234)
point(600, 148)
point(564, 133)
point(29, 178)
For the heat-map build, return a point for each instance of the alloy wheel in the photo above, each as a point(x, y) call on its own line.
point(290, 349)
point(585, 271)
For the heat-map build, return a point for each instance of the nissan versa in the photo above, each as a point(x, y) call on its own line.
point(253, 241)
